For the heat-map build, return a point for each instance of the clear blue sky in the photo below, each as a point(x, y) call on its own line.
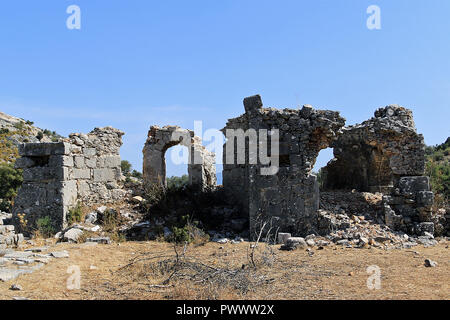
point(137, 63)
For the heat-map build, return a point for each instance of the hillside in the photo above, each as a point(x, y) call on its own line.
point(438, 168)
point(14, 131)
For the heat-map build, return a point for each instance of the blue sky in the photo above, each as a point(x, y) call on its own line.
point(137, 63)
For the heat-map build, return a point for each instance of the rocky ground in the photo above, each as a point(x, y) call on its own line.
point(139, 270)
point(327, 264)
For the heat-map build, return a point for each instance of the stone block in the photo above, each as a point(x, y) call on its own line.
point(91, 162)
point(79, 162)
point(282, 237)
point(60, 161)
point(423, 227)
point(425, 198)
point(42, 174)
point(253, 103)
point(103, 175)
point(24, 162)
point(89, 152)
point(44, 149)
point(112, 161)
point(414, 184)
point(81, 174)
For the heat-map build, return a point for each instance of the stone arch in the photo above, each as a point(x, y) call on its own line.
point(373, 155)
point(201, 164)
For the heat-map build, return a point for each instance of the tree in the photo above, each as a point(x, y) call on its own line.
point(40, 135)
point(126, 167)
point(10, 182)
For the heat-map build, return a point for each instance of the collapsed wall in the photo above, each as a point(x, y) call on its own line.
point(385, 154)
point(373, 155)
point(290, 197)
point(201, 162)
point(84, 167)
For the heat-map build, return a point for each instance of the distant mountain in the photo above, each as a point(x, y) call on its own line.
point(14, 131)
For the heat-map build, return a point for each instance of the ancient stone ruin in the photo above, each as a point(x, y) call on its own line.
point(385, 154)
point(290, 197)
point(267, 173)
point(84, 167)
point(373, 155)
point(201, 162)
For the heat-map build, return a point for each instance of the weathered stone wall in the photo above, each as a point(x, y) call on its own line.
point(409, 206)
point(373, 155)
point(85, 167)
point(386, 154)
point(201, 164)
point(290, 198)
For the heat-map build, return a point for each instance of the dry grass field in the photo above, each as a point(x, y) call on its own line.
point(140, 270)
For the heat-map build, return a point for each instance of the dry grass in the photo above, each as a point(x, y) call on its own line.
point(139, 270)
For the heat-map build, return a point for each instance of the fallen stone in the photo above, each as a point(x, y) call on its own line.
point(137, 199)
point(430, 263)
point(16, 287)
point(18, 255)
point(60, 254)
point(10, 274)
point(73, 235)
point(37, 249)
point(282, 237)
point(222, 240)
point(102, 240)
point(293, 243)
point(91, 217)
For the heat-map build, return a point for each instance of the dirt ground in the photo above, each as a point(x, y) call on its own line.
point(332, 273)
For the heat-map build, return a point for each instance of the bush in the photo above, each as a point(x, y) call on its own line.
point(136, 174)
point(438, 169)
point(75, 214)
point(172, 204)
point(126, 167)
point(189, 232)
point(45, 227)
point(109, 220)
point(177, 182)
point(11, 180)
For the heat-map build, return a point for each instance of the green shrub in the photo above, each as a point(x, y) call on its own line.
point(45, 227)
point(126, 167)
point(177, 182)
point(189, 232)
point(438, 169)
point(19, 125)
point(11, 180)
point(75, 214)
point(136, 174)
point(109, 220)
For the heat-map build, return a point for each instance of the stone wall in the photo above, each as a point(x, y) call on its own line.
point(289, 198)
point(373, 155)
point(201, 162)
point(386, 154)
point(409, 206)
point(83, 168)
